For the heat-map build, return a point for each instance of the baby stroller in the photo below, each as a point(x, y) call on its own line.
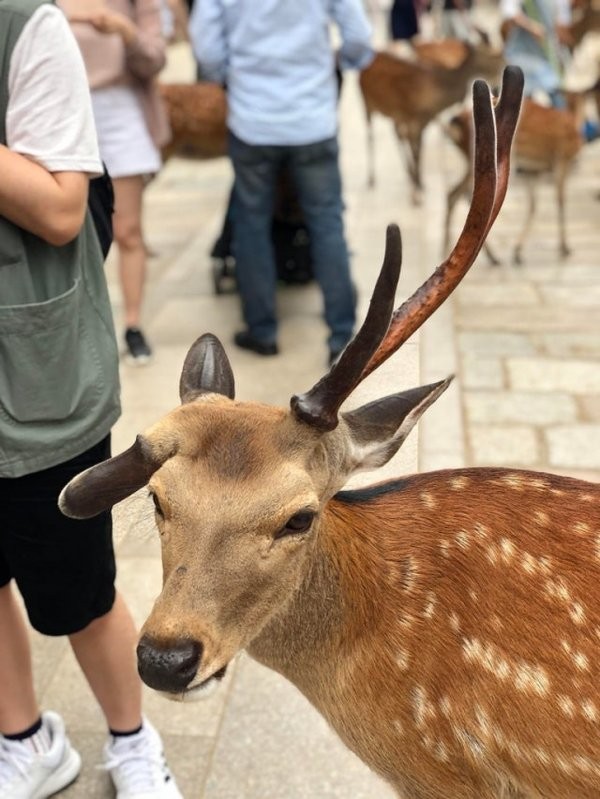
point(291, 243)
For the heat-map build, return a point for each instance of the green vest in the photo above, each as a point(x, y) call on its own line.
point(59, 382)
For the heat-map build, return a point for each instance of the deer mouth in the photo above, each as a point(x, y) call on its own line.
point(203, 689)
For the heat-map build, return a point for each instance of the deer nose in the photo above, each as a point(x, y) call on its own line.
point(168, 667)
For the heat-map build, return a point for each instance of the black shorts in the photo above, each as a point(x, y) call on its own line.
point(64, 568)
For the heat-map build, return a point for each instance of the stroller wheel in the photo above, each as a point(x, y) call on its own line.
point(223, 275)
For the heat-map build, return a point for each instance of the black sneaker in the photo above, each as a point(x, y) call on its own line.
point(246, 341)
point(137, 352)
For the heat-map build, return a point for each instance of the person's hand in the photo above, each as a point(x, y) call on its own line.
point(537, 30)
point(107, 22)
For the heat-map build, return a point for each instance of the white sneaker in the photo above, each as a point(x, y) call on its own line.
point(138, 767)
point(24, 774)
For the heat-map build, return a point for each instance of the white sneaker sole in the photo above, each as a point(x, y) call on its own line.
point(59, 779)
point(141, 360)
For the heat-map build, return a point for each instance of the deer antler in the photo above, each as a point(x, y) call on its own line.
point(383, 332)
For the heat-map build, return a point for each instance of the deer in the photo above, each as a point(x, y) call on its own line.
point(547, 141)
point(413, 93)
point(197, 115)
point(445, 624)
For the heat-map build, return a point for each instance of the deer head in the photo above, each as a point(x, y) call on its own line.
point(239, 488)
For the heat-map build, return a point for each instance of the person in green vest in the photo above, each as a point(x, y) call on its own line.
point(59, 397)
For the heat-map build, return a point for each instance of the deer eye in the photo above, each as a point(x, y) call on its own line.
point(157, 507)
point(298, 523)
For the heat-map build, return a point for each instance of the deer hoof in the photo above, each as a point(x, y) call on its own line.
point(564, 251)
point(517, 258)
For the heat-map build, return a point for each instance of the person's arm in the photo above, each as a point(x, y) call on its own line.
point(51, 139)
point(143, 39)
point(356, 51)
point(208, 37)
point(513, 16)
point(52, 205)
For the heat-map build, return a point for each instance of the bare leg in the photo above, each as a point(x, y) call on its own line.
point(105, 650)
point(19, 709)
point(130, 241)
point(370, 152)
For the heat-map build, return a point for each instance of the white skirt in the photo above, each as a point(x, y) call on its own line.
point(126, 146)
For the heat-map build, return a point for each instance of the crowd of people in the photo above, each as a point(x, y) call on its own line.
point(78, 94)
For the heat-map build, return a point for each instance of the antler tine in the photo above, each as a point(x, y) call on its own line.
point(507, 112)
point(319, 407)
point(488, 194)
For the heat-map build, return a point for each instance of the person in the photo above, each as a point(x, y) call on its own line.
point(59, 397)
point(279, 67)
point(123, 49)
point(404, 20)
point(533, 31)
point(455, 19)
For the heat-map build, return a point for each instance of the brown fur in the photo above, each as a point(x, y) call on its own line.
point(197, 114)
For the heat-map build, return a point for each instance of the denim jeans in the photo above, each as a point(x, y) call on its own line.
point(315, 172)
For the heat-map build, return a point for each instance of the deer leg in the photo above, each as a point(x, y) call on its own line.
point(414, 142)
point(530, 184)
point(561, 179)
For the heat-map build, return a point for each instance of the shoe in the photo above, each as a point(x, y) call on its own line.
point(137, 351)
point(137, 766)
point(25, 774)
point(246, 341)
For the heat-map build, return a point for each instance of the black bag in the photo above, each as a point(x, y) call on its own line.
point(101, 202)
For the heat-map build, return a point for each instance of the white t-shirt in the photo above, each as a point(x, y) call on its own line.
point(49, 117)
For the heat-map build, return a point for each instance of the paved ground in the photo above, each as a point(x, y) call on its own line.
point(523, 342)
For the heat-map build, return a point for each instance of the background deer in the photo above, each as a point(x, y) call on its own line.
point(445, 624)
point(547, 141)
point(197, 114)
point(413, 93)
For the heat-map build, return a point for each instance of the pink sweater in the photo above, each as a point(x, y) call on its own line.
point(109, 62)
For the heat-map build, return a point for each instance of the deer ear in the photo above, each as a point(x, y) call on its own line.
point(206, 370)
point(102, 486)
point(378, 430)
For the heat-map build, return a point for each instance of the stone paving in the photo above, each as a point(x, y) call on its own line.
point(523, 342)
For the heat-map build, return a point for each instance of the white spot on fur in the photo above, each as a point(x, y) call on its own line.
point(428, 500)
point(429, 610)
point(454, 622)
point(458, 483)
point(423, 709)
point(589, 710)
point(445, 547)
point(581, 661)
point(577, 613)
point(527, 677)
point(542, 517)
point(581, 528)
point(445, 707)
point(403, 659)
point(566, 705)
point(513, 480)
point(481, 531)
point(508, 550)
point(462, 539)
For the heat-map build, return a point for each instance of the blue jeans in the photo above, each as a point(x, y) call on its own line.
point(315, 172)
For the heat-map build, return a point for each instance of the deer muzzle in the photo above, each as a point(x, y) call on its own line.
point(168, 666)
